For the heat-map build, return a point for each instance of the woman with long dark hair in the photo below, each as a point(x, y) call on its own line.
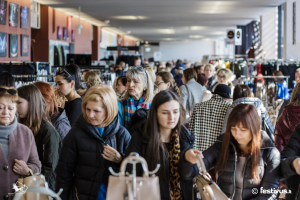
point(31, 107)
point(163, 140)
point(67, 82)
point(245, 158)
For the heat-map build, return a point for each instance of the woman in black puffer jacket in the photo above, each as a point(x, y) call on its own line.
point(96, 142)
point(245, 158)
point(163, 140)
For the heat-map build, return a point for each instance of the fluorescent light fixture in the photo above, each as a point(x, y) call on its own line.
point(196, 36)
point(168, 39)
point(166, 31)
point(106, 21)
point(218, 33)
point(195, 28)
point(49, 2)
point(130, 17)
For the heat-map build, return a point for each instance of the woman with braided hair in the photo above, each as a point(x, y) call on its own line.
point(162, 139)
point(165, 81)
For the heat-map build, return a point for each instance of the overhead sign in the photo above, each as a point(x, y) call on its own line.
point(238, 37)
point(123, 48)
point(157, 56)
point(231, 36)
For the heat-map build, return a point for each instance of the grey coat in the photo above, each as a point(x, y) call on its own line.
point(195, 96)
point(61, 123)
point(259, 107)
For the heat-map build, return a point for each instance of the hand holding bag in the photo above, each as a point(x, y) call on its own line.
point(208, 189)
point(128, 187)
point(31, 181)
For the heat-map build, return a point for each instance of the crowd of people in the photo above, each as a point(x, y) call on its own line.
point(167, 114)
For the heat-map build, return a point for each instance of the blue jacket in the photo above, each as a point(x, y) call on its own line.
point(178, 80)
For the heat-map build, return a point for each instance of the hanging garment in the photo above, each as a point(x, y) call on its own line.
point(59, 56)
point(289, 70)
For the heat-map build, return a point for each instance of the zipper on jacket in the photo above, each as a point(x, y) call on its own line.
point(234, 170)
point(243, 177)
point(43, 151)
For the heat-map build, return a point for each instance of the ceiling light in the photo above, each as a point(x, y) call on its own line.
point(49, 2)
point(168, 39)
point(218, 33)
point(106, 21)
point(130, 17)
point(195, 28)
point(166, 31)
point(146, 42)
point(196, 36)
point(128, 32)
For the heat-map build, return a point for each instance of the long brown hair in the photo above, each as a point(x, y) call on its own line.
point(48, 93)
point(151, 132)
point(247, 116)
point(36, 107)
point(295, 97)
point(167, 77)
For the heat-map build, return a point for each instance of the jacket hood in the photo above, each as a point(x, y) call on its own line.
point(266, 141)
point(60, 115)
point(109, 131)
point(291, 117)
point(248, 100)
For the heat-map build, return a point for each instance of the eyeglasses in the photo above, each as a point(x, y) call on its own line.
point(62, 70)
point(158, 83)
point(221, 77)
point(9, 91)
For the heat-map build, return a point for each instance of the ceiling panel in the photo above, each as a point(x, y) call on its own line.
point(157, 20)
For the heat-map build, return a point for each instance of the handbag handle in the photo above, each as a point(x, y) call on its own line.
point(134, 159)
point(201, 165)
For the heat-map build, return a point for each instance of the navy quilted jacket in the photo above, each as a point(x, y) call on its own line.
point(81, 164)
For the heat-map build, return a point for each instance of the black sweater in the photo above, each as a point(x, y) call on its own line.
point(73, 110)
point(187, 171)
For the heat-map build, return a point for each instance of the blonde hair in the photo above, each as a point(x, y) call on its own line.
point(295, 97)
point(297, 70)
point(107, 97)
point(91, 79)
point(151, 73)
point(148, 83)
point(209, 65)
point(14, 98)
point(228, 74)
point(59, 99)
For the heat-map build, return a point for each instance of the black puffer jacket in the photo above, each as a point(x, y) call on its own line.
point(61, 123)
point(290, 152)
point(269, 169)
point(48, 144)
point(81, 164)
point(187, 171)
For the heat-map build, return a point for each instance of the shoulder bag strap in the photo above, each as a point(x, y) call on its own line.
point(188, 100)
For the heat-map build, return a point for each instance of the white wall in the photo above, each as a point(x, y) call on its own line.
point(192, 50)
point(268, 33)
point(292, 51)
point(150, 54)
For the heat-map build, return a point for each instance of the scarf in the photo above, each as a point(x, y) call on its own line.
point(175, 187)
point(130, 108)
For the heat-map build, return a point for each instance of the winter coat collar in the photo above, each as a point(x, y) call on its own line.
point(266, 141)
point(109, 131)
point(59, 116)
point(247, 100)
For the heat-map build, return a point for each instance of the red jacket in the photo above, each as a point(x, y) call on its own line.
point(286, 125)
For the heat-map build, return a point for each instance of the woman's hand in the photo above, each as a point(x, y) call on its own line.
point(111, 154)
point(191, 156)
point(21, 168)
point(296, 165)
